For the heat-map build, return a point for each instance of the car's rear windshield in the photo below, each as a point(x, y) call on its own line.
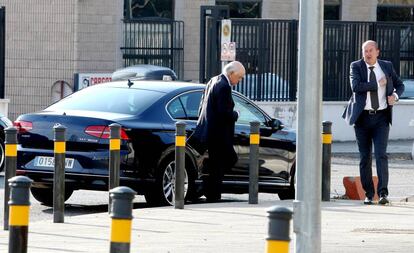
point(108, 99)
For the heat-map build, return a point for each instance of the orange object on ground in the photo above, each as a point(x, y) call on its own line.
point(353, 188)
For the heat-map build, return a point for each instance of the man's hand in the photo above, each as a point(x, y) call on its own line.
point(392, 99)
point(382, 82)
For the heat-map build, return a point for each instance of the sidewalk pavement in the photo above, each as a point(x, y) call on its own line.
point(235, 226)
point(346, 226)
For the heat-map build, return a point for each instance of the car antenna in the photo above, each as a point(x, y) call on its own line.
point(130, 83)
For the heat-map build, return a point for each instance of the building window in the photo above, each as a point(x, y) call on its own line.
point(243, 8)
point(395, 13)
point(332, 10)
point(148, 8)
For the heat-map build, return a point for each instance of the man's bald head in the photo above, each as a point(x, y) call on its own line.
point(370, 52)
point(235, 71)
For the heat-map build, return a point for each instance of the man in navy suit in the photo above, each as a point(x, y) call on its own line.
point(215, 126)
point(376, 88)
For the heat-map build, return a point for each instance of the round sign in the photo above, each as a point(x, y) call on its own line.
point(226, 30)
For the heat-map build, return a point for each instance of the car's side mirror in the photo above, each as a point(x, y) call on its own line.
point(275, 124)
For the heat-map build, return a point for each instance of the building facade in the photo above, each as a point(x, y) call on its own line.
point(47, 41)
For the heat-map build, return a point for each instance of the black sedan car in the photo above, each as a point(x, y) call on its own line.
point(147, 112)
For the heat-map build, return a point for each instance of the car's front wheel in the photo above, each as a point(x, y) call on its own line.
point(45, 195)
point(289, 193)
point(163, 191)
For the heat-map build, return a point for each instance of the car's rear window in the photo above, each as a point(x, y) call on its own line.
point(108, 99)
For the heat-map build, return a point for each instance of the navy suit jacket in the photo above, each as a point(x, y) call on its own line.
point(215, 125)
point(360, 85)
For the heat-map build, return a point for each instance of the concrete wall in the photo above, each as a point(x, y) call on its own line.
point(189, 12)
point(280, 9)
point(98, 35)
point(359, 10)
point(403, 113)
point(50, 40)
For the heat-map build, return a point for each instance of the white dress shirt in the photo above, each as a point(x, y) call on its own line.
point(382, 97)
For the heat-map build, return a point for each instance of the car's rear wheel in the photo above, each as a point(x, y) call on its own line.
point(162, 192)
point(45, 195)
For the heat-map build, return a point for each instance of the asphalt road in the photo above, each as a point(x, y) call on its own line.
point(88, 202)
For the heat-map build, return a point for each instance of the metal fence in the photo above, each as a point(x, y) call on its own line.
point(157, 42)
point(268, 49)
point(342, 45)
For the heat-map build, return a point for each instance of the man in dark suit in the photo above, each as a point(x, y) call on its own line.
point(376, 88)
point(215, 126)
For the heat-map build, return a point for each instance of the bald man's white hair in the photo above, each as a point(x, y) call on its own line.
point(234, 66)
point(369, 42)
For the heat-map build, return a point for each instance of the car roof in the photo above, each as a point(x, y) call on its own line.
point(143, 72)
point(157, 85)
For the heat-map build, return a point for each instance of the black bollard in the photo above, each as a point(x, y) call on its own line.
point(59, 175)
point(278, 238)
point(121, 214)
point(254, 162)
point(179, 165)
point(114, 157)
point(326, 160)
point(19, 213)
point(9, 168)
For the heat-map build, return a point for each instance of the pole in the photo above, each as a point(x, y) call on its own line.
point(114, 157)
point(121, 214)
point(307, 206)
point(179, 165)
point(326, 160)
point(19, 213)
point(9, 168)
point(254, 163)
point(59, 175)
point(278, 237)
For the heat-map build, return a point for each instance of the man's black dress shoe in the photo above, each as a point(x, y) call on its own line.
point(383, 200)
point(368, 201)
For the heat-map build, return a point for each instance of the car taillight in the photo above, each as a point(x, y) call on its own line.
point(23, 126)
point(104, 132)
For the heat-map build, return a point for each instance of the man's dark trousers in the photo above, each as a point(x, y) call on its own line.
point(221, 159)
point(373, 128)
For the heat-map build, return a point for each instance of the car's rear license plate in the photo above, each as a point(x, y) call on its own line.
point(47, 161)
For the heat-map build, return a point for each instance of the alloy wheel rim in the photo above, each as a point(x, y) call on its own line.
point(168, 183)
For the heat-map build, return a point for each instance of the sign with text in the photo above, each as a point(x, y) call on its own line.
point(83, 80)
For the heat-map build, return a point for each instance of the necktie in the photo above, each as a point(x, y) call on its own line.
point(374, 94)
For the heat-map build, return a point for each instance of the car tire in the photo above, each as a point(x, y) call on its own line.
point(290, 192)
point(287, 194)
point(2, 155)
point(161, 192)
point(45, 195)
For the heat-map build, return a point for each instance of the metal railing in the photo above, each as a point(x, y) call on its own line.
point(153, 41)
point(268, 50)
